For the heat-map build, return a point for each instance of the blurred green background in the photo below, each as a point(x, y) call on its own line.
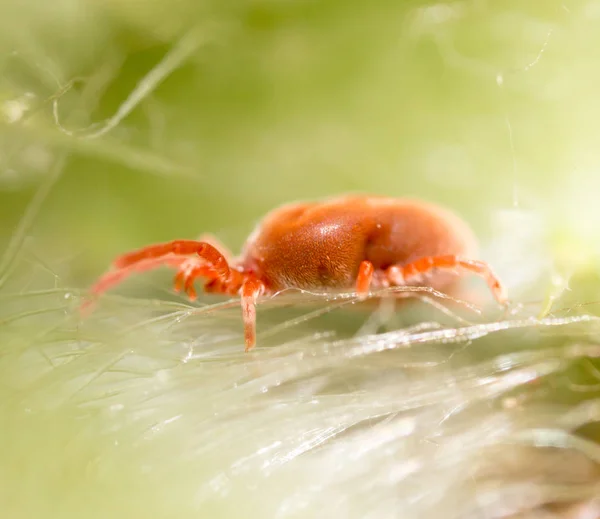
point(124, 122)
point(480, 105)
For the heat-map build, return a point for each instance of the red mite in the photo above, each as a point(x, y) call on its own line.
point(349, 243)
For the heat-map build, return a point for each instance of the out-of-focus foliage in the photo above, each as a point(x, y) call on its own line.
point(467, 103)
point(124, 123)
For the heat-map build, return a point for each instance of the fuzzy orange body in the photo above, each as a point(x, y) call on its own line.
point(322, 244)
point(353, 243)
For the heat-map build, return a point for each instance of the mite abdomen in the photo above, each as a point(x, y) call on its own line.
point(409, 230)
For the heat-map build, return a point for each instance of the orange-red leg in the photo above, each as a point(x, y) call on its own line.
point(402, 274)
point(191, 269)
point(251, 290)
point(115, 277)
point(217, 244)
point(178, 248)
point(364, 278)
point(206, 261)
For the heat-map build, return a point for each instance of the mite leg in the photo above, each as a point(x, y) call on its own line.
point(215, 285)
point(208, 262)
point(178, 248)
point(191, 269)
point(364, 278)
point(115, 277)
point(251, 290)
point(217, 244)
point(402, 274)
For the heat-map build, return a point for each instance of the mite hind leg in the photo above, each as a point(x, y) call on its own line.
point(415, 272)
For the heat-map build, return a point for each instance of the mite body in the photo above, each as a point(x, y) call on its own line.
point(354, 243)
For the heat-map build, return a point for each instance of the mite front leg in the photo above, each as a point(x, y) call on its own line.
point(191, 269)
point(178, 248)
point(207, 262)
point(402, 274)
point(116, 277)
point(219, 245)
